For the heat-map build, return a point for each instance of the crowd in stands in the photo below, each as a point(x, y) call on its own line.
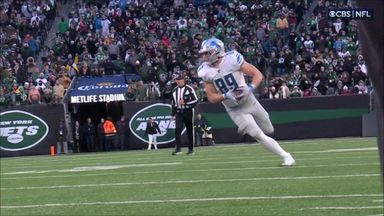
point(24, 26)
point(155, 38)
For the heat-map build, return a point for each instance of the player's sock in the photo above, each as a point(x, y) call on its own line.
point(271, 145)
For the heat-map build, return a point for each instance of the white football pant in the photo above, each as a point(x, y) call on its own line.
point(152, 139)
point(252, 119)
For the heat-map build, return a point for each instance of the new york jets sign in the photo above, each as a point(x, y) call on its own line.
point(161, 113)
point(21, 130)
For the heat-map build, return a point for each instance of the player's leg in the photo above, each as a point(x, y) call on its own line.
point(178, 130)
point(150, 141)
point(189, 122)
point(154, 139)
point(247, 125)
point(260, 115)
point(262, 119)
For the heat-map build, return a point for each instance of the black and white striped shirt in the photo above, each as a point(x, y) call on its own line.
point(188, 94)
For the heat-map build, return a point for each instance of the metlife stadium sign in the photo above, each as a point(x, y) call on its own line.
point(100, 89)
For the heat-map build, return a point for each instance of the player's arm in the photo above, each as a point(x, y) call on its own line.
point(158, 128)
point(253, 72)
point(212, 94)
point(174, 107)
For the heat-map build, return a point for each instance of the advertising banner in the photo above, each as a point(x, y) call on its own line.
point(101, 89)
point(28, 130)
point(139, 113)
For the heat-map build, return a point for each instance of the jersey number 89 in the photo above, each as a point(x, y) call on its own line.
point(226, 83)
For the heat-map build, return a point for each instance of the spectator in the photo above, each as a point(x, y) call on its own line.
point(61, 135)
point(203, 131)
point(358, 75)
point(273, 93)
point(58, 92)
point(362, 65)
point(47, 95)
point(153, 92)
point(63, 26)
point(100, 134)
point(152, 129)
point(141, 91)
point(122, 131)
point(85, 70)
point(362, 88)
point(4, 99)
point(296, 92)
point(338, 25)
point(34, 96)
point(89, 132)
point(130, 95)
point(315, 92)
point(109, 134)
point(346, 91)
point(77, 137)
point(282, 26)
point(41, 82)
point(284, 91)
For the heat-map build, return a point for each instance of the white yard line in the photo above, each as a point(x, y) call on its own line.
point(99, 155)
point(230, 160)
point(93, 168)
point(61, 161)
point(182, 171)
point(189, 181)
point(192, 200)
point(342, 207)
point(380, 200)
point(340, 150)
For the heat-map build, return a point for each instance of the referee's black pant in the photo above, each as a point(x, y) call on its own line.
point(184, 117)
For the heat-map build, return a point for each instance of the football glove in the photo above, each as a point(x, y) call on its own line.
point(229, 96)
point(243, 91)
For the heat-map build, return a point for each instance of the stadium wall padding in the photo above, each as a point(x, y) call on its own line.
point(298, 118)
point(50, 114)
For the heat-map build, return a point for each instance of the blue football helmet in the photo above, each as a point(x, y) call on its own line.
point(211, 50)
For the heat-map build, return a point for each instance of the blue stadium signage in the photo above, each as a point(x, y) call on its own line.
point(97, 98)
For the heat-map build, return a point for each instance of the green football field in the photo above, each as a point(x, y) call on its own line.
point(332, 177)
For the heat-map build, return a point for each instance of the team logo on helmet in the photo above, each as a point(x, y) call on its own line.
point(212, 49)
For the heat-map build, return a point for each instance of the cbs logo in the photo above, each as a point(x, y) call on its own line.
point(340, 14)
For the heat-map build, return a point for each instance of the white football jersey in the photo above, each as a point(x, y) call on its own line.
point(226, 76)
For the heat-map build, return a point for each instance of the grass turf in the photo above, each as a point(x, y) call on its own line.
point(332, 177)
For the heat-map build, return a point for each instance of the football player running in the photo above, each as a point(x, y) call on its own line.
point(223, 75)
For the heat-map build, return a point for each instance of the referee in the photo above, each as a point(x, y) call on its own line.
point(183, 101)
